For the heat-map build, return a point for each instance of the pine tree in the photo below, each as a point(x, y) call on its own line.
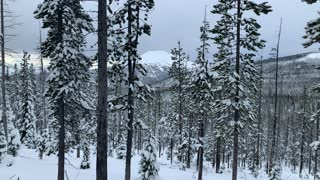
point(135, 15)
point(13, 92)
point(178, 71)
point(102, 123)
point(66, 22)
point(201, 92)
point(121, 148)
point(26, 121)
point(85, 163)
point(3, 144)
point(149, 167)
point(228, 31)
point(14, 142)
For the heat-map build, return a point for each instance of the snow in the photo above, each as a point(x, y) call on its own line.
point(27, 166)
point(311, 58)
point(159, 58)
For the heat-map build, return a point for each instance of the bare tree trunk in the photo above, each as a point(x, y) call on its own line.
point(102, 125)
point(237, 98)
point(260, 118)
point(61, 139)
point(218, 156)
point(3, 84)
point(201, 150)
point(275, 120)
point(303, 131)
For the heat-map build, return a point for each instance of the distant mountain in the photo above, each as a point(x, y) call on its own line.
point(295, 72)
point(157, 58)
point(157, 63)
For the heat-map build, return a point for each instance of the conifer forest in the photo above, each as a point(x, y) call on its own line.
point(107, 90)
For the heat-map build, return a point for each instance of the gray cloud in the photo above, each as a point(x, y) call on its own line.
point(174, 20)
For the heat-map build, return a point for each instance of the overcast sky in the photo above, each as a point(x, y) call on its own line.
point(174, 20)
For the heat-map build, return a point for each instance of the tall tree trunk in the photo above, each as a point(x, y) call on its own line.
point(317, 150)
point(180, 97)
point(102, 125)
point(61, 155)
point(237, 98)
point(3, 84)
point(275, 120)
point(131, 70)
point(218, 156)
point(201, 150)
point(189, 143)
point(303, 131)
point(60, 103)
point(200, 171)
point(159, 116)
point(257, 159)
point(42, 79)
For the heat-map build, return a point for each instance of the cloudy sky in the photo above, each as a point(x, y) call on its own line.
point(179, 20)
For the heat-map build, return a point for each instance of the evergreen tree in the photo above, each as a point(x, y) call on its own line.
point(14, 143)
point(178, 71)
point(85, 163)
point(13, 92)
point(236, 28)
point(66, 22)
point(149, 167)
point(134, 14)
point(121, 148)
point(26, 121)
point(3, 144)
point(201, 92)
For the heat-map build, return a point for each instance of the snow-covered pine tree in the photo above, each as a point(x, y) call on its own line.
point(312, 37)
point(26, 121)
point(121, 147)
point(312, 29)
point(85, 163)
point(3, 144)
point(66, 22)
point(178, 71)
point(236, 30)
point(135, 15)
point(36, 96)
point(13, 92)
point(149, 167)
point(201, 91)
point(14, 142)
point(224, 84)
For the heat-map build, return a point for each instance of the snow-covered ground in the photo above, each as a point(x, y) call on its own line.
point(27, 166)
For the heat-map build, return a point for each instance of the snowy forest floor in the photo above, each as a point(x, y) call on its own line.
point(27, 166)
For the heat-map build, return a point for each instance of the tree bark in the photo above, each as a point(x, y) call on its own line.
point(102, 125)
point(218, 157)
point(3, 84)
point(317, 150)
point(237, 98)
point(60, 103)
point(61, 155)
point(131, 71)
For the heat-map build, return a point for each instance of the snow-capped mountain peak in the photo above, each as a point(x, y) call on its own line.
point(156, 58)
